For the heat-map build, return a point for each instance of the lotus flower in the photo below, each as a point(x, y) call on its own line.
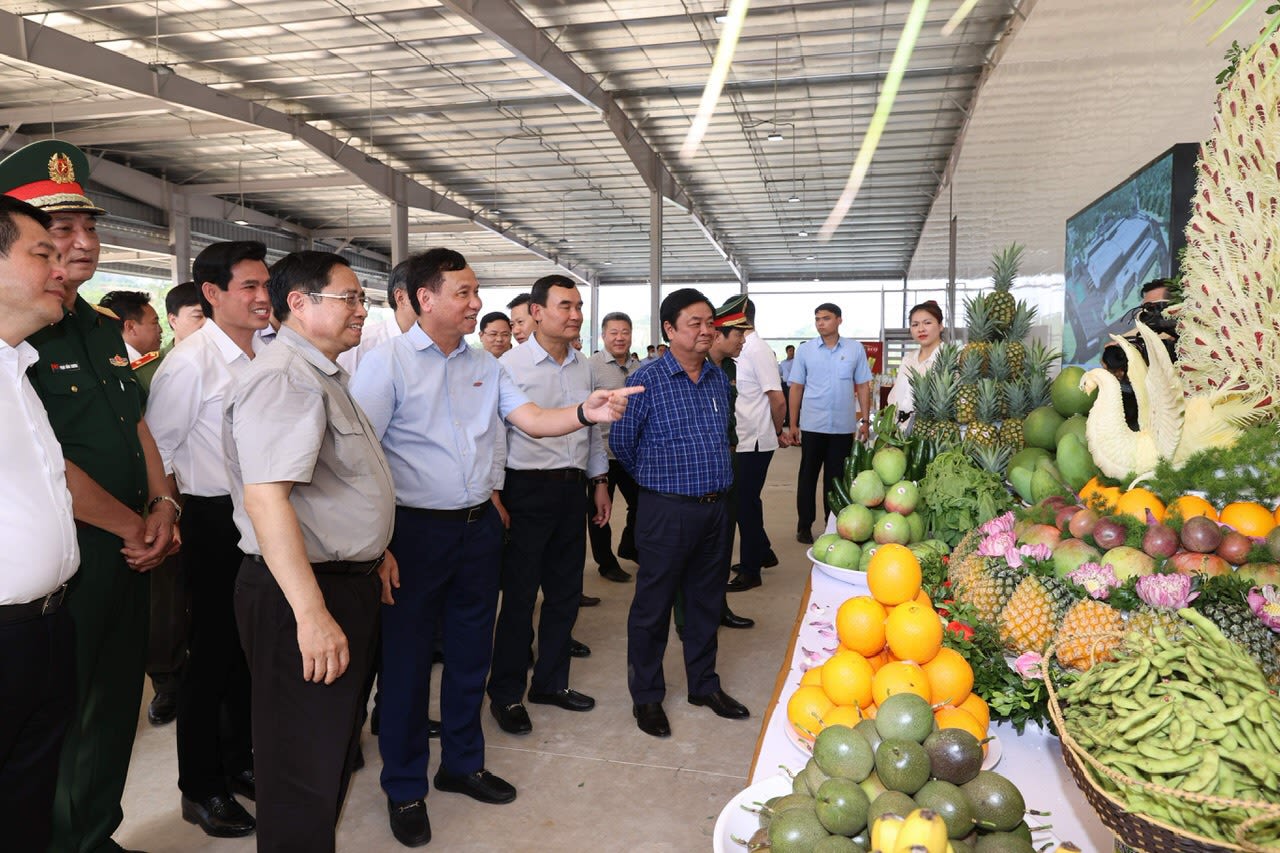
point(1035, 552)
point(1171, 592)
point(1265, 602)
point(997, 544)
point(1097, 580)
point(999, 524)
point(1029, 665)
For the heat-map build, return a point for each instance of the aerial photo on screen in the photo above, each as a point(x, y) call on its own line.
point(1113, 246)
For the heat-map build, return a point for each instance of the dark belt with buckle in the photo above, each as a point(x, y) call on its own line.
point(336, 567)
point(29, 610)
point(709, 498)
point(553, 475)
point(467, 514)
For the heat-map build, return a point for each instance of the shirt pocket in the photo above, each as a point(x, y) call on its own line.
point(844, 370)
point(351, 457)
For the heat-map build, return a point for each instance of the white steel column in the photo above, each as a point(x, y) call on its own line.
point(655, 266)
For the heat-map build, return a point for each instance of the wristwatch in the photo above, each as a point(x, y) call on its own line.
point(602, 480)
point(582, 417)
point(177, 510)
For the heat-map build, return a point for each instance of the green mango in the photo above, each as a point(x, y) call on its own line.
point(1074, 461)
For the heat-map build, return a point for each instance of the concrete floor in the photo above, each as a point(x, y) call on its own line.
point(588, 781)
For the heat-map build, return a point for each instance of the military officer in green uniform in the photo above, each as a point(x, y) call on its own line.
point(122, 504)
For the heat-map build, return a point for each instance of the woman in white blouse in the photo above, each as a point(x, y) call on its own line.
point(926, 328)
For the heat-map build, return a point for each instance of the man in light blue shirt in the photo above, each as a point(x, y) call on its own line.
point(438, 407)
point(829, 371)
point(542, 492)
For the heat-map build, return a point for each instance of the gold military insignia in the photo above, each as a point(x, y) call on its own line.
point(60, 169)
point(119, 361)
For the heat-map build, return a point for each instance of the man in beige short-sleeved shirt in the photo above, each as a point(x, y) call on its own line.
point(314, 504)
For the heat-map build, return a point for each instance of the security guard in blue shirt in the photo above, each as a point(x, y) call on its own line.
point(124, 512)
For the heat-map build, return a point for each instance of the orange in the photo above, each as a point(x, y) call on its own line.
point(860, 624)
point(1277, 513)
point(806, 709)
point(813, 676)
point(914, 632)
point(846, 678)
point(880, 660)
point(1249, 518)
point(950, 676)
point(893, 574)
point(869, 712)
point(977, 706)
point(1136, 502)
point(1093, 489)
point(951, 717)
point(1187, 506)
point(900, 677)
point(843, 715)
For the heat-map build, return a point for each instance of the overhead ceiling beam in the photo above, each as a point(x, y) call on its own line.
point(60, 111)
point(505, 23)
point(30, 42)
point(375, 232)
point(170, 131)
point(271, 185)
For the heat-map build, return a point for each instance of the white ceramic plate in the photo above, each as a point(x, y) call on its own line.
point(849, 576)
point(736, 821)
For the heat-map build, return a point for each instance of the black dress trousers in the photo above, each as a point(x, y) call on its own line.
point(819, 452)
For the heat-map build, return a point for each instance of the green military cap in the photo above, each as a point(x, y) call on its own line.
point(733, 313)
point(47, 175)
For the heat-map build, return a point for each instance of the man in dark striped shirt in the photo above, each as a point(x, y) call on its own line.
point(673, 440)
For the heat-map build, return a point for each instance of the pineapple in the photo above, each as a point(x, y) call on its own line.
point(1241, 625)
point(967, 391)
point(957, 567)
point(1029, 620)
point(923, 403)
point(1038, 386)
point(992, 459)
point(983, 431)
point(1089, 633)
point(1145, 620)
point(1018, 396)
point(998, 364)
point(1000, 303)
point(981, 332)
point(946, 431)
point(989, 586)
point(1018, 331)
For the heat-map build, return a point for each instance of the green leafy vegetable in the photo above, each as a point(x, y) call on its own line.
point(959, 495)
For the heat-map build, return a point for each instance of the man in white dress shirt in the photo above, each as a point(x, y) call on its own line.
point(184, 413)
point(37, 650)
point(547, 538)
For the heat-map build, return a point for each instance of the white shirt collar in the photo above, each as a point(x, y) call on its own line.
point(229, 349)
point(18, 359)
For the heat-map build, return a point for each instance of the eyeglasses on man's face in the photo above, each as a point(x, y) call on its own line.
point(496, 336)
point(353, 300)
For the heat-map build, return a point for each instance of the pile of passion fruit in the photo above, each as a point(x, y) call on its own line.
point(893, 764)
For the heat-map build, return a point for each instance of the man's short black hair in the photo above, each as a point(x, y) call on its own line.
point(493, 317)
point(829, 306)
point(522, 299)
point(398, 280)
point(541, 287)
point(216, 261)
point(180, 296)
point(677, 301)
point(126, 304)
point(790, 348)
point(305, 271)
point(427, 269)
point(750, 312)
point(615, 317)
point(11, 207)
point(1155, 284)
point(651, 348)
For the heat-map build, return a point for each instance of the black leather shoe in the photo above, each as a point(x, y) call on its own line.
point(374, 718)
point(409, 823)
point(804, 536)
point(729, 619)
point(512, 719)
point(770, 560)
point(568, 698)
point(481, 785)
point(651, 719)
point(243, 784)
point(742, 583)
point(219, 816)
point(628, 553)
point(587, 601)
point(163, 708)
point(723, 704)
point(434, 728)
point(578, 650)
point(615, 573)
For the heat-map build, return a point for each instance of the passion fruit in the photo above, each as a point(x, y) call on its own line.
point(841, 751)
point(997, 802)
point(955, 755)
point(904, 716)
point(903, 765)
point(841, 806)
point(951, 803)
point(795, 830)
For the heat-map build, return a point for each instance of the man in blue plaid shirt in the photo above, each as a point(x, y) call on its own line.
point(673, 439)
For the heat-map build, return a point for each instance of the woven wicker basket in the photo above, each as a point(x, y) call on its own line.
point(1142, 832)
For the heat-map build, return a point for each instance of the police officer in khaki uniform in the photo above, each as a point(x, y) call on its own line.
point(123, 509)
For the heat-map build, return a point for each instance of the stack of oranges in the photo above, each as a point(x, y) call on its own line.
point(1247, 517)
point(890, 642)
